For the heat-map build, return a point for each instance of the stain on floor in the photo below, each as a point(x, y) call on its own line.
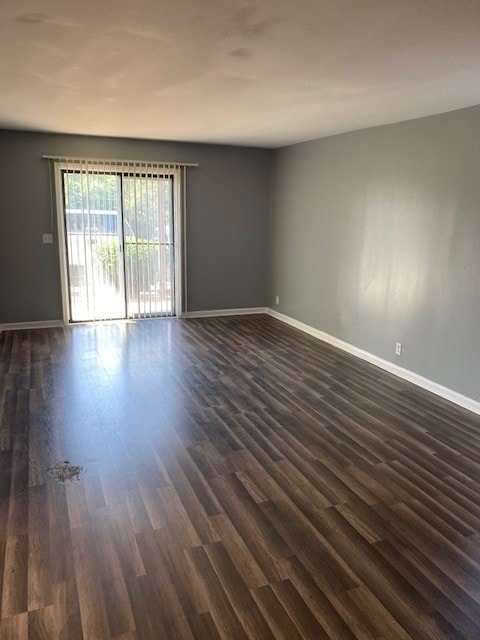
point(64, 472)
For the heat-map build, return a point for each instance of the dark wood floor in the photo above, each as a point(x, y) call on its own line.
point(241, 480)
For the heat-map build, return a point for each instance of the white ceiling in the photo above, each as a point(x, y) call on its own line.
point(266, 73)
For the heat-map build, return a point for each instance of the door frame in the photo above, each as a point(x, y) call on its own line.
point(178, 231)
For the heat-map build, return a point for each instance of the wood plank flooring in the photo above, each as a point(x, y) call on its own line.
point(241, 480)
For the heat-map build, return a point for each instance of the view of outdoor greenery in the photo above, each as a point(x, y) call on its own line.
point(141, 199)
point(83, 190)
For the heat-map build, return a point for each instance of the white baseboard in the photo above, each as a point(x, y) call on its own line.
point(415, 378)
point(38, 324)
point(245, 311)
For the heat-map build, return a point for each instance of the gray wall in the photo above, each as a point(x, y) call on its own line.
point(227, 207)
point(375, 238)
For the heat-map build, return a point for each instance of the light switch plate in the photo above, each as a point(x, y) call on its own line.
point(47, 238)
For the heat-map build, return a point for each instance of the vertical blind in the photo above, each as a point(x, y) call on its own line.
point(120, 237)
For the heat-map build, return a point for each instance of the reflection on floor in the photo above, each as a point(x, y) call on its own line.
point(241, 480)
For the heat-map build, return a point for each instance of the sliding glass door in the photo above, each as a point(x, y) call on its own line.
point(120, 250)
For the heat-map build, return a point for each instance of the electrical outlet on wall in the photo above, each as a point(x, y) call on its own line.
point(47, 238)
point(277, 299)
point(398, 348)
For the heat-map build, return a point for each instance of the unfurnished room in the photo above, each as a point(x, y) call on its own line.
point(240, 320)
